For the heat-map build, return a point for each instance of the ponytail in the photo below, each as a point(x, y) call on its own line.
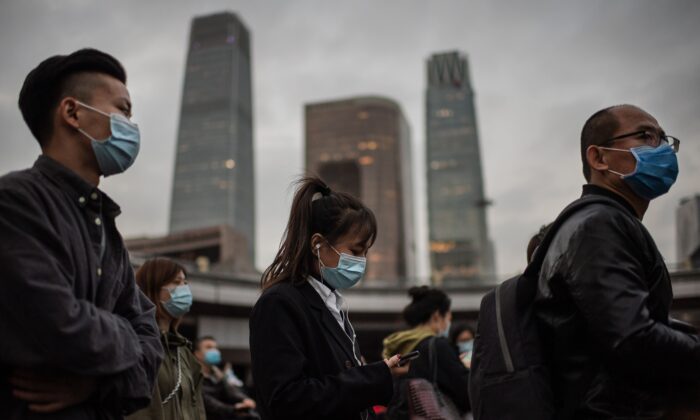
point(316, 209)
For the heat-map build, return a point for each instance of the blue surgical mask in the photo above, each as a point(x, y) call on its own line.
point(212, 357)
point(465, 346)
point(656, 170)
point(348, 273)
point(180, 301)
point(116, 153)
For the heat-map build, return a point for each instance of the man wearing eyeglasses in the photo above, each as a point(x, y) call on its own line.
point(604, 291)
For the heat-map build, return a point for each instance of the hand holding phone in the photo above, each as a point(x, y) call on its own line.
point(405, 358)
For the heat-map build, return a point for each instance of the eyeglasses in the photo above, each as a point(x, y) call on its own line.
point(650, 138)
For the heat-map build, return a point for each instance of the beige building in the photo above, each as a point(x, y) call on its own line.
point(217, 249)
point(362, 146)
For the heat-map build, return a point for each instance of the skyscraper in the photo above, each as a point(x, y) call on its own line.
point(688, 232)
point(362, 146)
point(214, 181)
point(460, 247)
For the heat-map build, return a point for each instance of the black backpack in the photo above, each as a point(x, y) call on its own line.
point(509, 377)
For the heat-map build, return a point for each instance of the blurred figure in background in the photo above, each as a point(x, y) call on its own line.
point(462, 338)
point(177, 393)
point(535, 241)
point(223, 397)
point(429, 317)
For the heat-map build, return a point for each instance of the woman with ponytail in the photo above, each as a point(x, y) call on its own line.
point(305, 358)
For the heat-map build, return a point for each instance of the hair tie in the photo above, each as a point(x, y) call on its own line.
point(324, 192)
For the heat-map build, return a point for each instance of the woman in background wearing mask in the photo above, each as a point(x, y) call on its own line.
point(462, 337)
point(177, 393)
point(429, 317)
point(306, 362)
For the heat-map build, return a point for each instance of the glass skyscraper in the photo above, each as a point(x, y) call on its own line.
point(688, 232)
point(460, 247)
point(214, 180)
point(362, 146)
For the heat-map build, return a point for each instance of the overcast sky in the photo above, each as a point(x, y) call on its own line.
point(539, 69)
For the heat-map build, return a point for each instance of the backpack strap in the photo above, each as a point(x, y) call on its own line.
point(505, 350)
point(432, 360)
point(538, 256)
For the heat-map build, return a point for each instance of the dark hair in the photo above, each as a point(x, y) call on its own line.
point(316, 209)
point(598, 128)
point(425, 301)
point(57, 77)
point(458, 329)
point(200, 340)
point(153, 275)
point(535, 241)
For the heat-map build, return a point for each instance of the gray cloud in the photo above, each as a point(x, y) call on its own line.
point(539, 68)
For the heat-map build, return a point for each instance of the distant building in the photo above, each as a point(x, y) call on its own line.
point(688, 232)
point(362, 146)
point(215, 249)
point(214, 178)
point(460, 247)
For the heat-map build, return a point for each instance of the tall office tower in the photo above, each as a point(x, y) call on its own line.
point(688, 232)
point(460, 247)
point(362, 146)
point(214, 177)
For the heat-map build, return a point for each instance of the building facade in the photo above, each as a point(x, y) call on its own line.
point(214, 178)
point(362, 146)
point(460, 247)
point(688, 232)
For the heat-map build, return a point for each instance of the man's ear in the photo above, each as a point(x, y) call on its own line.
point(596, 159)
point(68, 111)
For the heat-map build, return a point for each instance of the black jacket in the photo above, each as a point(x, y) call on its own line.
point(603, 305)
point(69, 302)
point(452, 376)
point(302, 361)
point(220, 399)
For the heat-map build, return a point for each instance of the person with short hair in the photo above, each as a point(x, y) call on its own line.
point(305, 358)
point(177, 394)
point(535, 242)
point(223, 398)
point(78, 338)
point(604, 296)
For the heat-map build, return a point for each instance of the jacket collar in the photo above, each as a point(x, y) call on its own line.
point(590, 189)
point(79, 190)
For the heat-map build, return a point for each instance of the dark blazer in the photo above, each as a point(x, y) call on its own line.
point(303, 364)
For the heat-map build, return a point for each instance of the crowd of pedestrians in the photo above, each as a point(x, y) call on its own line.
point(585, 331)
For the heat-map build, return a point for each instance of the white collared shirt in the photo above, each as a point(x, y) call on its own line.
point(331, 298)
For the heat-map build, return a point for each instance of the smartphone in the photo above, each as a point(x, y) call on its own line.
point(405, 358)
